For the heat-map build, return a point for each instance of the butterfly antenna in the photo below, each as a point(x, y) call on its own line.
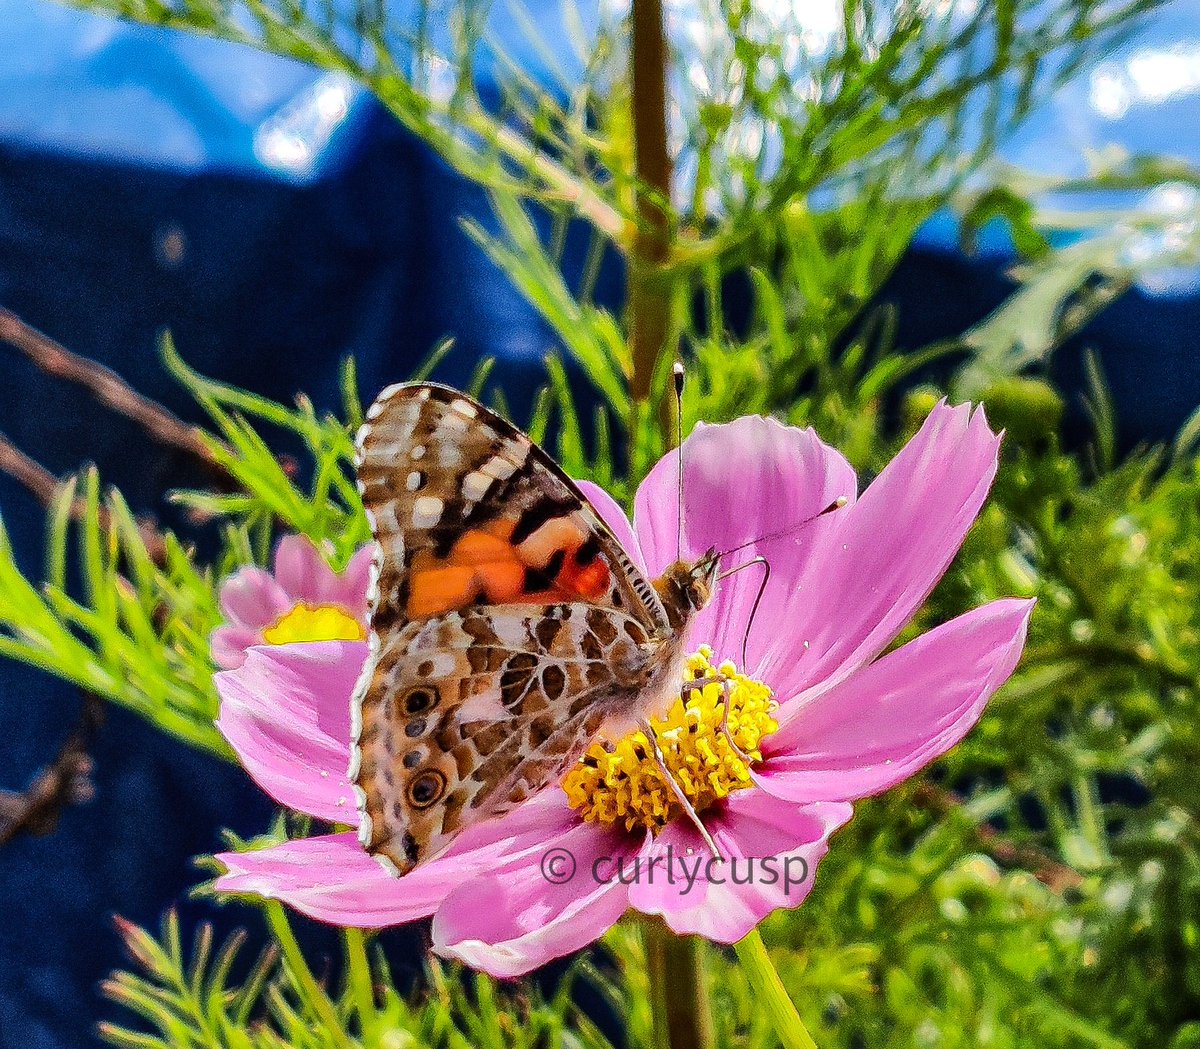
point(678, 373)
point(837, 504)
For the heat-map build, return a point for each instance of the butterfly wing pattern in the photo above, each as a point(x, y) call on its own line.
point(507, 627)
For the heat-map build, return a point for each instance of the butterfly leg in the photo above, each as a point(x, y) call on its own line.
point(723, 681)
point(680, 796)
point(698, 683)
point(745, 758)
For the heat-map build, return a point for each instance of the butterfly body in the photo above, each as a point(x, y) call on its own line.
point(509, 629)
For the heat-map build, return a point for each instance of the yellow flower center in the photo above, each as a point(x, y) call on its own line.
point(306, 622)
point(622, 782)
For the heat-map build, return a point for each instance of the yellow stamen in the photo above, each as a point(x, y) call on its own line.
point(305, 622)
point(621, 783)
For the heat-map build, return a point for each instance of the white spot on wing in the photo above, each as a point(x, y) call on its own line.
point(373, 588)
point(364, 820)
point(389, 522)
point(383, 453)
point(499, 468)
point(443, 664)
point(484, 706)
point(414, 480)
point(356, 701)
point(427, 511)
point(387, 865)
point(475, 486)
point(464, 408)
point(510, 631)
point(418, 451)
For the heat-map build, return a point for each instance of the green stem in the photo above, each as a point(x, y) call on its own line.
point(311, 992)
point(648, 289)
point(678, 992)
point(769, 992)
point(361, 984)
point(567, 188)
point(1091, 819)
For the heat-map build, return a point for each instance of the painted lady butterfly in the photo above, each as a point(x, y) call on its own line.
point(508, 626)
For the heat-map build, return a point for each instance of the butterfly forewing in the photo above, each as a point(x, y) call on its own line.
point(507, 622)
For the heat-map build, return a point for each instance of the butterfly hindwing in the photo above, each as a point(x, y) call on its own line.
point(507, 622)
point(472, 712)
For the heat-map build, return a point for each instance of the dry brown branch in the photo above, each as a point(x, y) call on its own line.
point(108, 388)
point(44, 487)
point(1050, 872)
point(40, 482)
point(66, 781)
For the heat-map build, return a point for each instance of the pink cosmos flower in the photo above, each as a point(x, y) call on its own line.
point(303, 598)
point(540, 882)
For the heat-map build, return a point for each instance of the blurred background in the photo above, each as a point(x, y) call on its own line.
point(276, 219)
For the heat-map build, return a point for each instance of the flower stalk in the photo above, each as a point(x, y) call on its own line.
point(311, 992)
point(678, 989)
point(769, 992)
point(648, 286)
point(361, 985)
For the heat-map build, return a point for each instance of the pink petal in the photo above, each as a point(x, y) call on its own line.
point(352, 585)
point(864, 582)
point(303, 572)
point(612, 515)
point(521, 916)
point(229, 645)
point(333, 879)
point(885, 722)
point(251, 598)
point(743, 481)
point(286, 712)
point(724, 901)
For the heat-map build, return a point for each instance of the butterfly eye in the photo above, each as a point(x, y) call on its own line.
point(426, 789)
point(419, 700)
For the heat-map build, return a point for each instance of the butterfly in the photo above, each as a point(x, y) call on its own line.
point(508, 626)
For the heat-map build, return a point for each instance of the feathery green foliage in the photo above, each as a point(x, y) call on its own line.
point(189, 1000)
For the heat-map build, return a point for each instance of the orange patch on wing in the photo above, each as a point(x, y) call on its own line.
point(590, 580)
point(436, 589)
point(503, 581)
point(573, 580)
point(483, 562)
